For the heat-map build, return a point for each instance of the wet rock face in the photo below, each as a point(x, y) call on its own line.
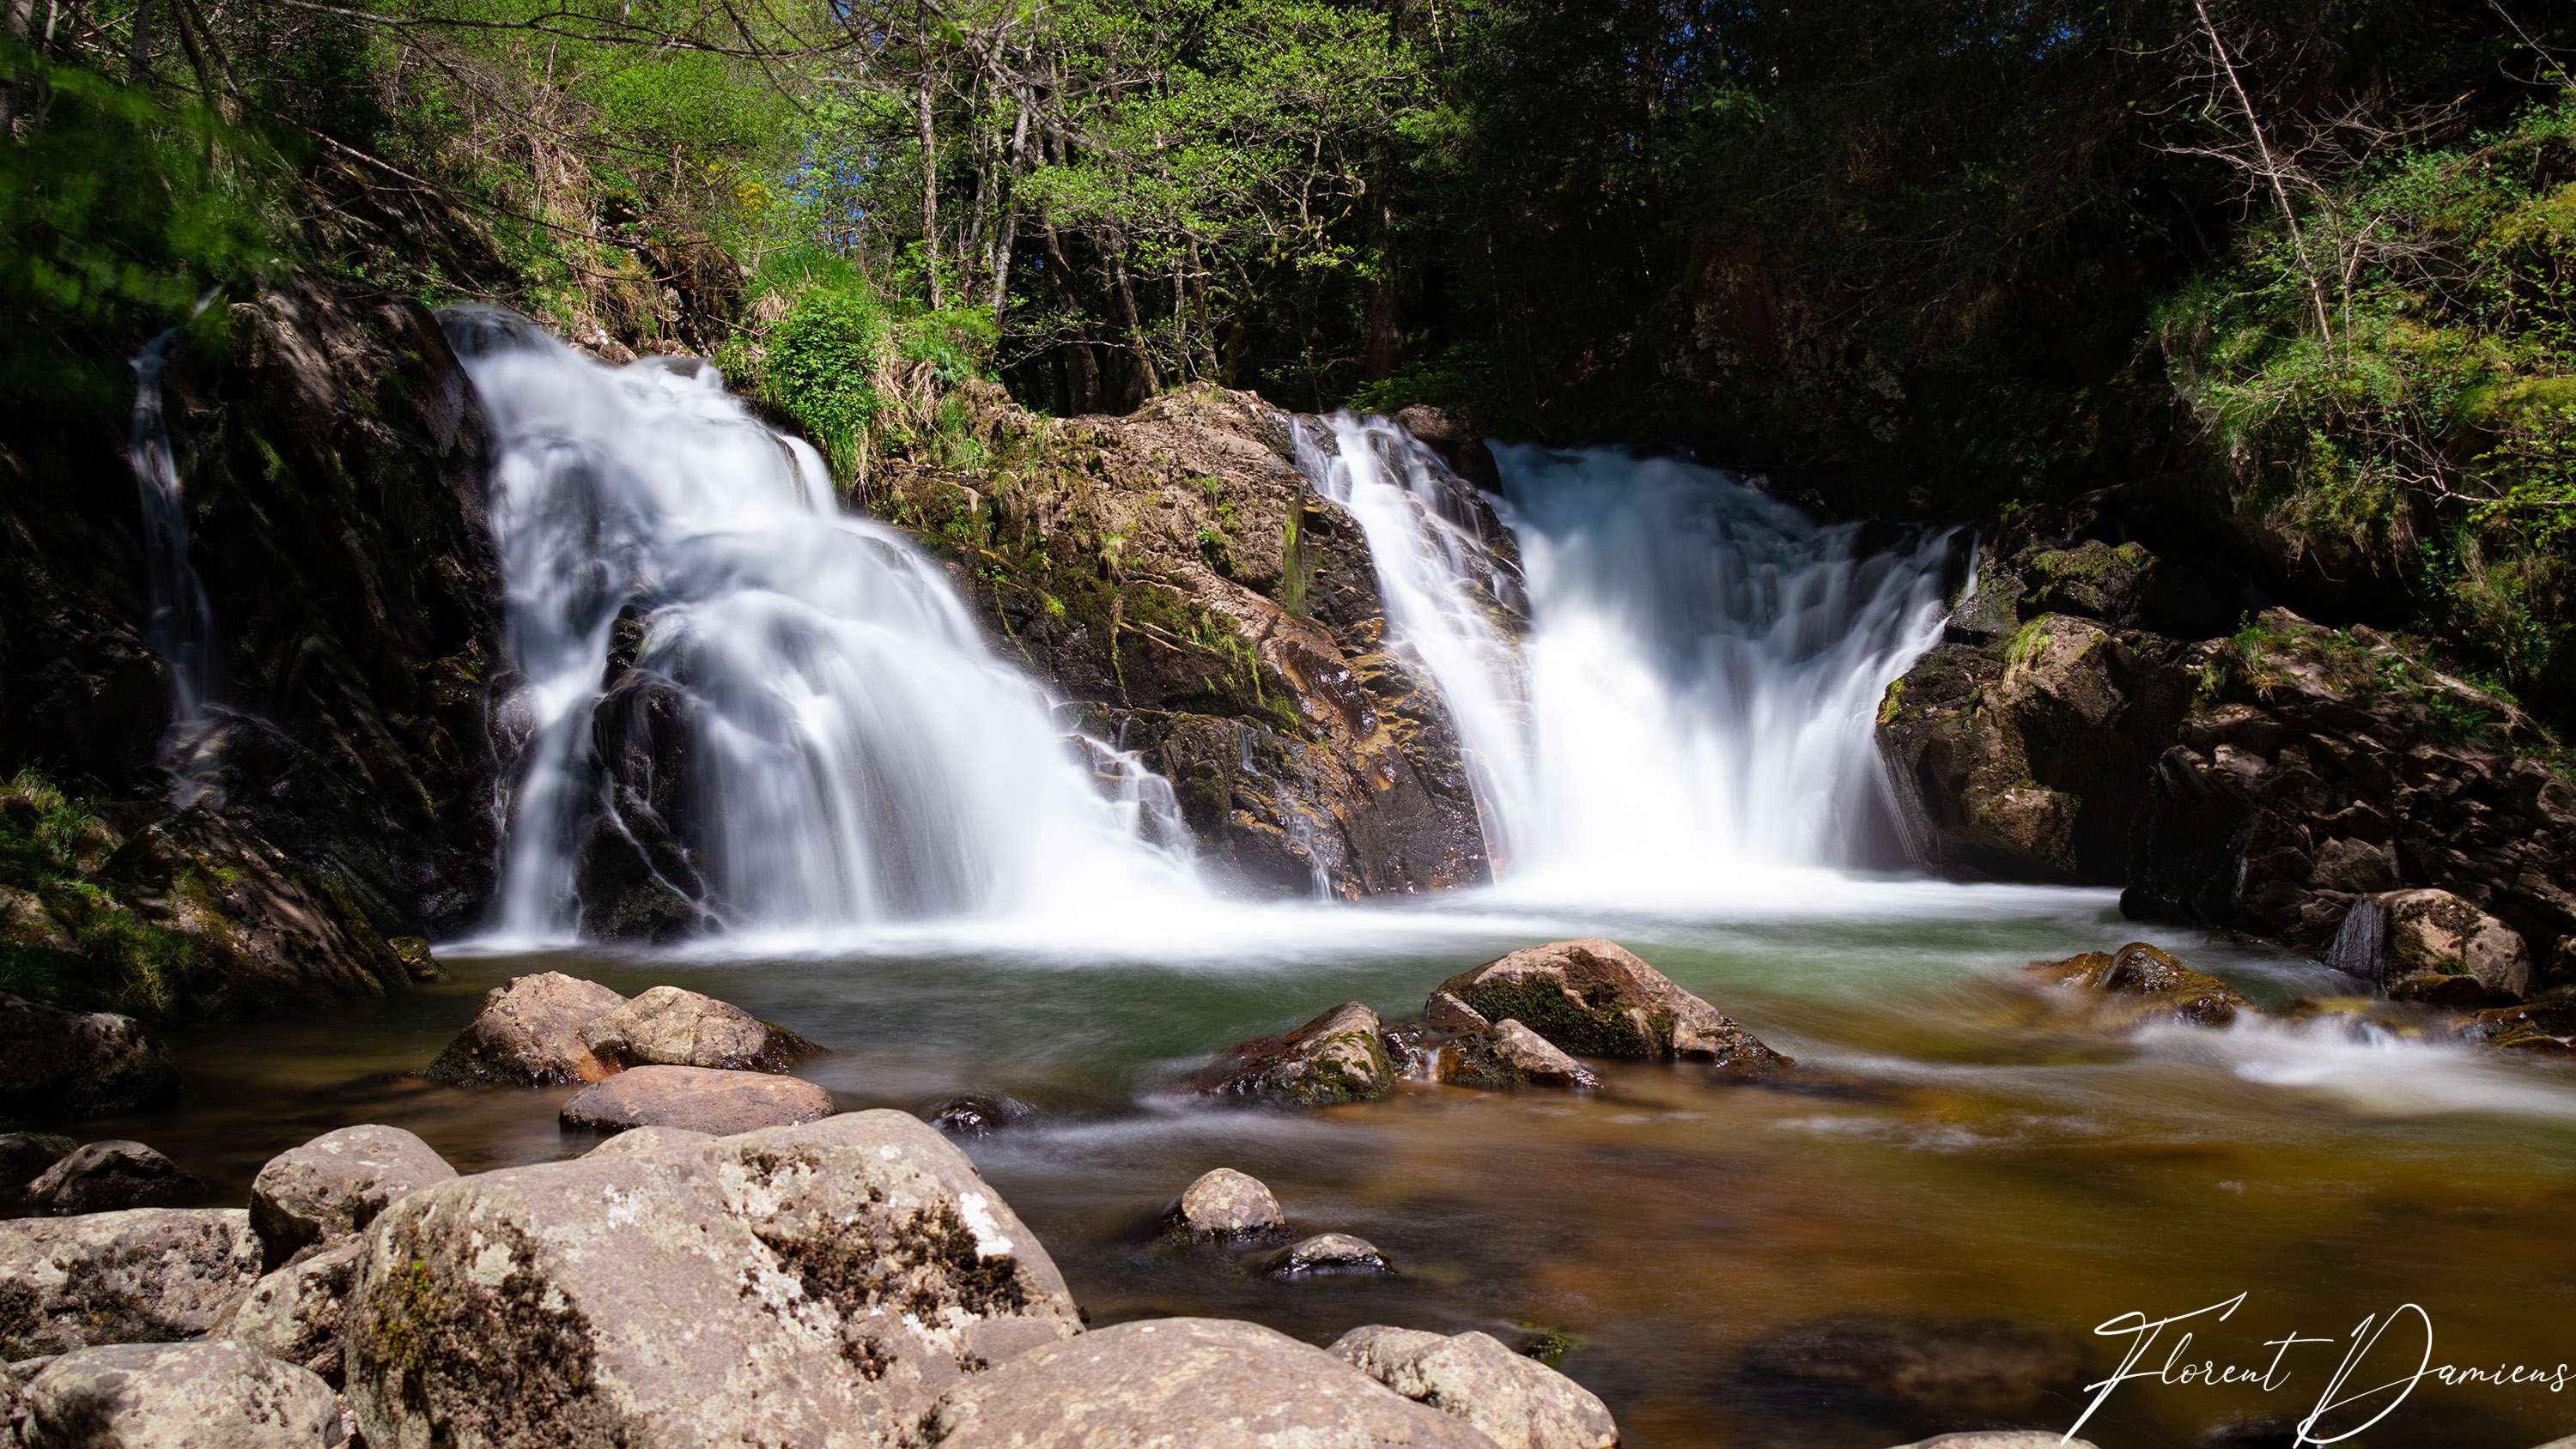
point(178, 1396)
point(637, 871)
point(1325, 1255)
point(695, 1099)
point(104, 1177)
point(2150, 976)
point(141, 1276)
point(667, 1026)
point(336, 1184)
point(1594, 998)
point(1517, 1402)
point(2318, 767)
point(1171, 573)
point(529, 1032)
point(57, 1065)
point(833, 1279)
point(1208, 1383)
point(1340, 1056)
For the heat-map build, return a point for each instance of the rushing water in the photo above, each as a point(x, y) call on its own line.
point(857, 754)
point(1693, 702)
point(180, 627)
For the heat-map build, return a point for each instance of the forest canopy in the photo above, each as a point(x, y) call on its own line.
point(1951, 254)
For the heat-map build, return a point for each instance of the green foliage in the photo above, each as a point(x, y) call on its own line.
point(820, 364)
point(2427, 427)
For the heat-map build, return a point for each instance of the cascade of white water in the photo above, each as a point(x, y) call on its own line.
point(1695, 695)
point(857, 755)
point(181, 626)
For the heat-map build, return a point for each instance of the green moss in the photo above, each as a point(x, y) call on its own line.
point(1586, 1029)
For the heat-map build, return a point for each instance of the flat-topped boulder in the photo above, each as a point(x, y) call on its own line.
point(177, 1396)
point(699, 1099)
point(2151, 977)
point(336, 1184)
point(1340, 1056)
point(1516, 1401)
point(821, 1283)
point(143, 1275)
point(1594, 998)
point(668, 1026)
point(528, 1033)
point(1202, 1382)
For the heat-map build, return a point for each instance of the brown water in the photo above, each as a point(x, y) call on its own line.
point(1955, 1148)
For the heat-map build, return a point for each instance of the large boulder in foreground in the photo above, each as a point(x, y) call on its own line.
point(1517, 1402)
point(697, 1099)
point(1207, 1383)
point(529, 1032)
point(816, 1284)
point(2151, 977)
point(1340, 1056)
point(144, 1275)
point(178, 1396)
point(1594, 998)
point(336, 1184)
point(57, 1065)
point(670, 1027)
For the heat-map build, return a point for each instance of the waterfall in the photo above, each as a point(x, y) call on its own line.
point(180, 627)
point(855, 754)
point(1695, 695)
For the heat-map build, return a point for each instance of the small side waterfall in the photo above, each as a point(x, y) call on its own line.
point(1694, 698)
point(180, 627)
point(855, 754)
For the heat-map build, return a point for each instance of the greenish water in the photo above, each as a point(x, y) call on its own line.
point(1954, 1144)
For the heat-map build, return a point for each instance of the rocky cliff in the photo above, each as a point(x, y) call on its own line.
point(2070, 727)
point(1172, 575)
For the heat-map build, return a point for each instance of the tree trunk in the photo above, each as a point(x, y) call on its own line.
point(1082, 371)
point(22, 16)
point(929, 185)
point(1133, 319)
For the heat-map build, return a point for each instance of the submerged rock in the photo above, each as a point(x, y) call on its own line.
point(1201, 1382)
point(1322, 1254)
point(295, 1313)
point(2152, 975)
point(1517, 1402)
point(104, 1177)
point(336, 1184)
point(1596, 999)
point(783, 1286)
point(1948, 1367)
point(1340, 1056)
point(138, 1276)
point(1224, 1203)
point(667, 1026)
point(700, 1099)
point(2546, 1024)
point(1508, 1054)
point(528, 1032)
point(58, 1065)
point(178, 1396)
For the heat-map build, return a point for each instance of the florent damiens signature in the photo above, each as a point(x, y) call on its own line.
point(2355, 1395)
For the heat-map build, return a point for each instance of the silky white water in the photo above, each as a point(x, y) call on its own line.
point(856, 754)
point(1694, 700)
point(180, 627)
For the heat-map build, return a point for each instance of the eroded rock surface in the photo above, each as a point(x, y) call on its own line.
point(58, 1065)
point(529, 1032)
point(697, 1099)
point(1517, 1402)
point(2152, 976)
point(1207, 1383)
point(667, 1026)
point(140, 1276)
point(1594, 998)
point(1325, 1253)
point(1508, 1054)
point(336, 1184)
point(178, 1396)
point(295, 1314)
point(1224, 1203)
point(812, 1284)
point(99, 1177)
